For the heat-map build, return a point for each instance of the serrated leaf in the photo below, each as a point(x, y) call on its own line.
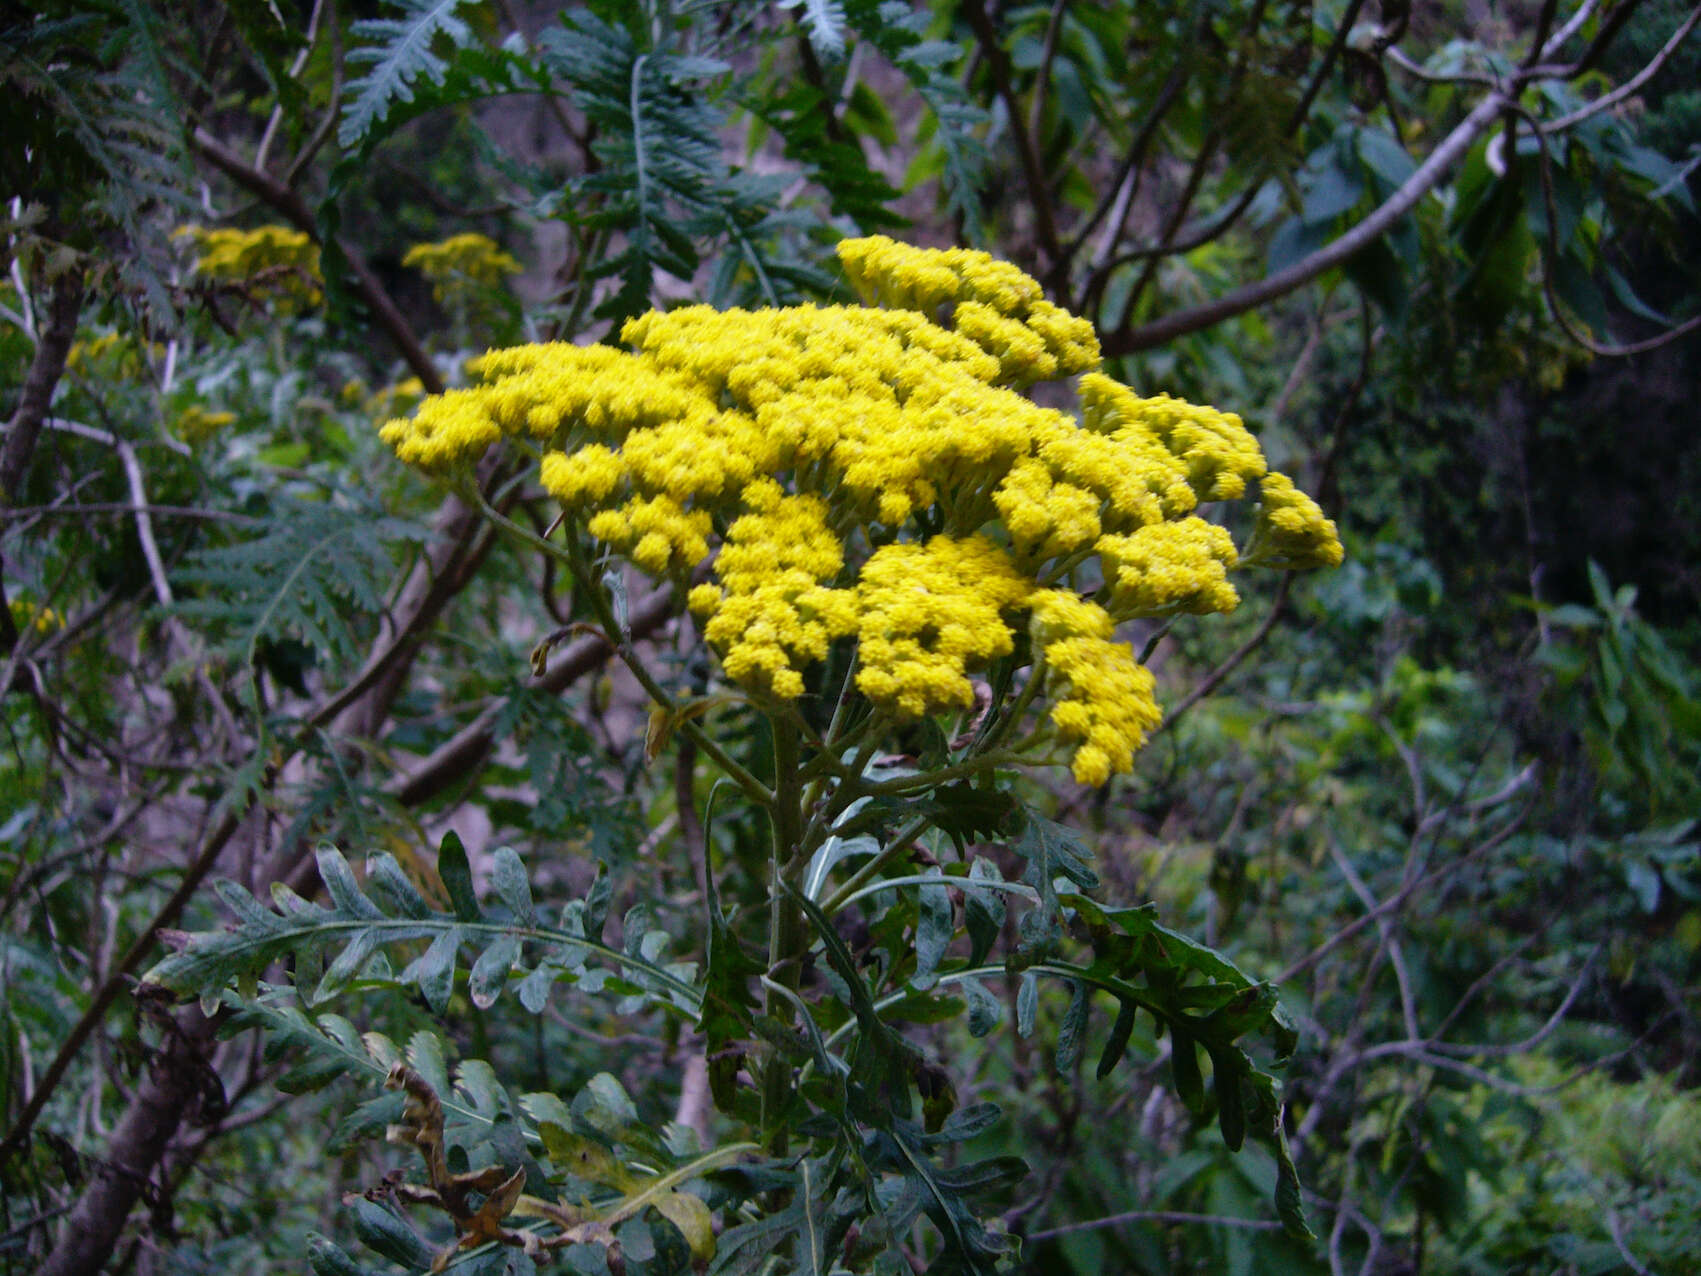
point(1184, 1065)
point(315, 569)
point(1073, 1031)
point(597, 900)
point(328, 1259)
point(983, 910)
point(691, 1216)
point(1231, 1106)
point(249, 911)
point(1116, 1045)
point(425, 1055)
point(985, 1010)
point(968, 1123)
point(392, 887)
point(338, 877)
point(403, 56)
point(1053, 851)
point(640, 919)
point(825, 22)
point(389, 1235)
point(347, 965)
point(533, 990)
point(604, 1106)
point(1027, 1003)
point(366, 1121)
point(1289, 1206)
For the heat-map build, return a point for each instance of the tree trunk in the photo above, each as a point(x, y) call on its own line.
point(174, 1084)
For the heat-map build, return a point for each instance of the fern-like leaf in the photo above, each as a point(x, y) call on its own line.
point(401, 55)
point(91, 132)
point(664, 184)
point(313, 568)
point(346, 941)
point(825, 22)
point(899, 32)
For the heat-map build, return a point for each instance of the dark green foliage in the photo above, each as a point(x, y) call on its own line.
point(575, 802)
point(1445, 807)
point(93, 134)
point(898, 31)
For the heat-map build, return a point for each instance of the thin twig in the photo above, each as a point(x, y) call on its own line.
point(1215, 678)
point(1157, 1216)
point(138, 498)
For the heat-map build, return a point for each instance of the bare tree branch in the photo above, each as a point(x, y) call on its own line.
point(1249, 296)
point(1039, 190)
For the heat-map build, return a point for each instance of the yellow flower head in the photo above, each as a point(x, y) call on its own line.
point(1170, 567)
point(929, 616)
point(992, 303)
point(28, 617)
point(269, 259)
point(873, 476)
point(118, 356)
point(196, 425)
point(461, 264)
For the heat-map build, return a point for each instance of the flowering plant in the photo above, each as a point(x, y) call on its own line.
point(911, 576)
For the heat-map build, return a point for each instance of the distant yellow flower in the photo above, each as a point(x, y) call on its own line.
point(269, 259)
point(386, 401)
point(29, 617)
point(461, 263)
point(195, 424)
point(871, 475)
point(114, 355)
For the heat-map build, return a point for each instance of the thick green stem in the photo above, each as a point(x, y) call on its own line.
point(785, 920)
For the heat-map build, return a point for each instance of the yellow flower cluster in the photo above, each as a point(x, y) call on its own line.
point(27, 616)
point(386, 401)
point(992, 303)
point(270, 258)
point(772, 615)
point(195, 424)
point(930, 614)
point(461, 264)
point(114, 355)
point(1211, 452)
point(1101, 696)
point(655, 532)
point(1164, 568)
point(872, 473)
point(1291, 531)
